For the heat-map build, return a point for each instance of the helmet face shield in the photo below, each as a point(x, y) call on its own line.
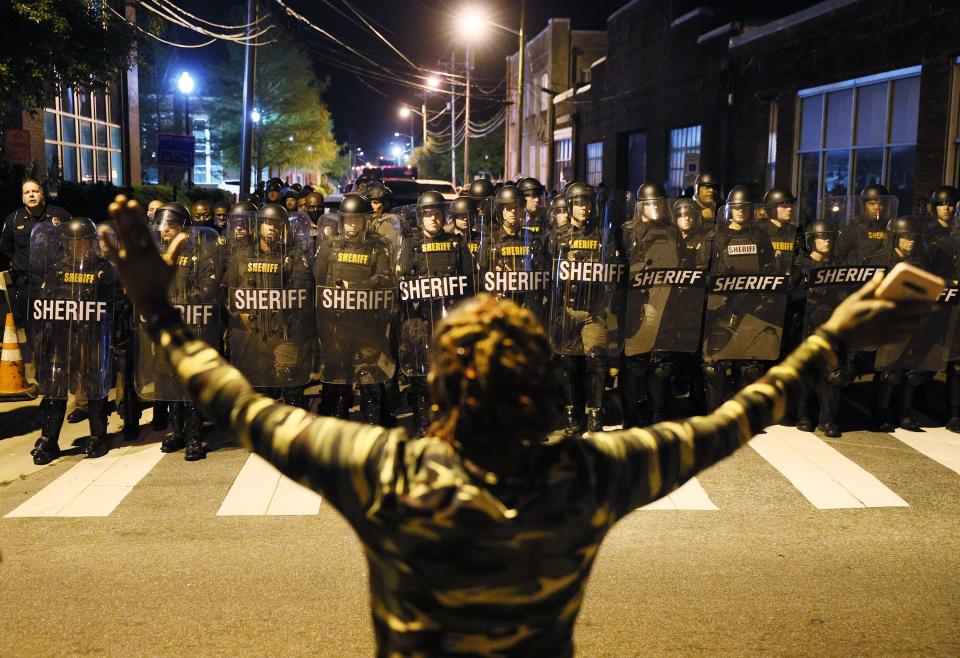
point(431, 219)
point(686, 216)
point(560, 216)
point(353, 226)
point(509, 213)
point(736, 215)
point(878, 207)
point(583, 207)
point(653, 210)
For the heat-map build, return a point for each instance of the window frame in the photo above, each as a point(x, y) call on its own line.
point(94, 122)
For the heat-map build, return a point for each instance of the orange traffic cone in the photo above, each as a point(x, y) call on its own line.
point(13, 384)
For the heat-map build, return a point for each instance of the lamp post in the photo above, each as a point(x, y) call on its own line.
point(249, 81)
point(185, 85)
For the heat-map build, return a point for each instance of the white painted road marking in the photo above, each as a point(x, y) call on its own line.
point(262, 490)
point(690, 496)
point(824, 476)
point(94, 487)
point(938, 443)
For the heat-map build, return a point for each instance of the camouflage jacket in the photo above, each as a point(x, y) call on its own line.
point(462, 561)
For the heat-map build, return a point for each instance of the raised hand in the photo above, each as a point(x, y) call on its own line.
point(144, 272)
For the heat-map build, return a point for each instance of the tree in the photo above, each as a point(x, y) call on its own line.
point(48, 43)
point(295, 127)
point(486, 155)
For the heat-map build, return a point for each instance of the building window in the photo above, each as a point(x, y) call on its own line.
point(82, 136)
point(771, 173)
point(636, 160)
point(684, 151)
point(563, 161)
point(595, 163)
point(856, 133)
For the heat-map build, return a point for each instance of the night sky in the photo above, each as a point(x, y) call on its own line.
point(423, 30)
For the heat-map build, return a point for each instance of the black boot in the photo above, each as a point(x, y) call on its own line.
point(594, 419)
point(175, 440)
point(573, 427)
point(194, 423)
point(78, 415)
point(371, 403)
point(421, 406)
point(99, 442)
point(596, 367)
point(45, 451)
point(633, 390)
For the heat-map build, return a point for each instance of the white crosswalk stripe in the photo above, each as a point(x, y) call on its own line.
point(93, 487)
point(937, 443)
point(824, 476)
point(261, 490)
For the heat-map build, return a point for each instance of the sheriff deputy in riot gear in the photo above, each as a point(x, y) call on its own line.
point(15, 241)
point(819, 240)
point(907, 242)
point(947, 264)
point(73, 322)
point(514, 250)
point(195, 280)
point(354, 329)
point(465, 222)
point(436, 272)
point(740, 247)
point(943, 203)
point(534, 210)
point(272, 191)
point(269, 302)
point(781, 225)
point(482, 192)
point(484, 493)
point(867, 240)
point(706, 192)
point(153, 207)
point(579, 308)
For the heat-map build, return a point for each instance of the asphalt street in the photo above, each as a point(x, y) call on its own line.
point(802, 546)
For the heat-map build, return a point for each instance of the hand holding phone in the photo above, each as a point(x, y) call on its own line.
point(907, 282)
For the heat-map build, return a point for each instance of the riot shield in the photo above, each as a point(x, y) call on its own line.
point(436, 273)
point(588, 272)
point(72, 310)
point(467, 225)
point(356, 289)
point(825, 279)
point(195, 292)
point(780, 225)
point(666, 286)
point(928, 348)
point(517, 265)
point(269, 282)
point(746, 291)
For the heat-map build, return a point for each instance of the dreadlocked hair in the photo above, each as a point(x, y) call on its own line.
point(491, 380)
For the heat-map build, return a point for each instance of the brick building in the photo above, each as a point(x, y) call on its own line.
point(555, 59)
point(825, 99)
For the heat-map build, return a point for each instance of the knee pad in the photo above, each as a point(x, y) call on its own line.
point(917, 377)
point(890, 377)
point(838, 377)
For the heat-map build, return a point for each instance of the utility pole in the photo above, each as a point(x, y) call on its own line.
point(249, 82)
point(466, 125)
point(520, 95)
point(453, 122)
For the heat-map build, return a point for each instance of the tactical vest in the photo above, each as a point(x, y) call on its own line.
point(739, 252)
point(351, 260)
point(437, 256)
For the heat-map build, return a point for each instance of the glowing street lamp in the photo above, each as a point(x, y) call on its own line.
point(473, 22)
point(185, 83)
point(396, 151)
point(433, 82)
point(404, 112)
point(255, 116)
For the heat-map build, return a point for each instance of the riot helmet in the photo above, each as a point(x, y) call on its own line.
point(944, 203)
point(170, 219)
point(706, 189)
point(686, 215)
point(289, 199)
point(509, 204)
point(273, 225)
point(272, 190)
point(79, 237)
point(355, 213)
point(780, 206)
point(313, 205)
point(739, 208)
point(652, 203)
point(559, 211)
point(875, 203)
point(430, 212)
point(905, 232)
point(532, 191)
point(481, 189)
point(821, 236)
point(241, 216)
point(380, 197)
point(463, 214)
point(582, 200)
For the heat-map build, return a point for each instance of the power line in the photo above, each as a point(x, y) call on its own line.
point(154, 36)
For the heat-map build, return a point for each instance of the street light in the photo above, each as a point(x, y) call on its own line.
point(404, 112)
point(255, 116)
point(433, 82)
point(185, 83)
point(474, 22)
point(396, 152)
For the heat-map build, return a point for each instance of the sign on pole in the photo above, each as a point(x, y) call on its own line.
point(175, 150)
point(16, 143)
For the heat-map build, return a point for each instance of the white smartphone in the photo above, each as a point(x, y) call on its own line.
point(908, 282)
